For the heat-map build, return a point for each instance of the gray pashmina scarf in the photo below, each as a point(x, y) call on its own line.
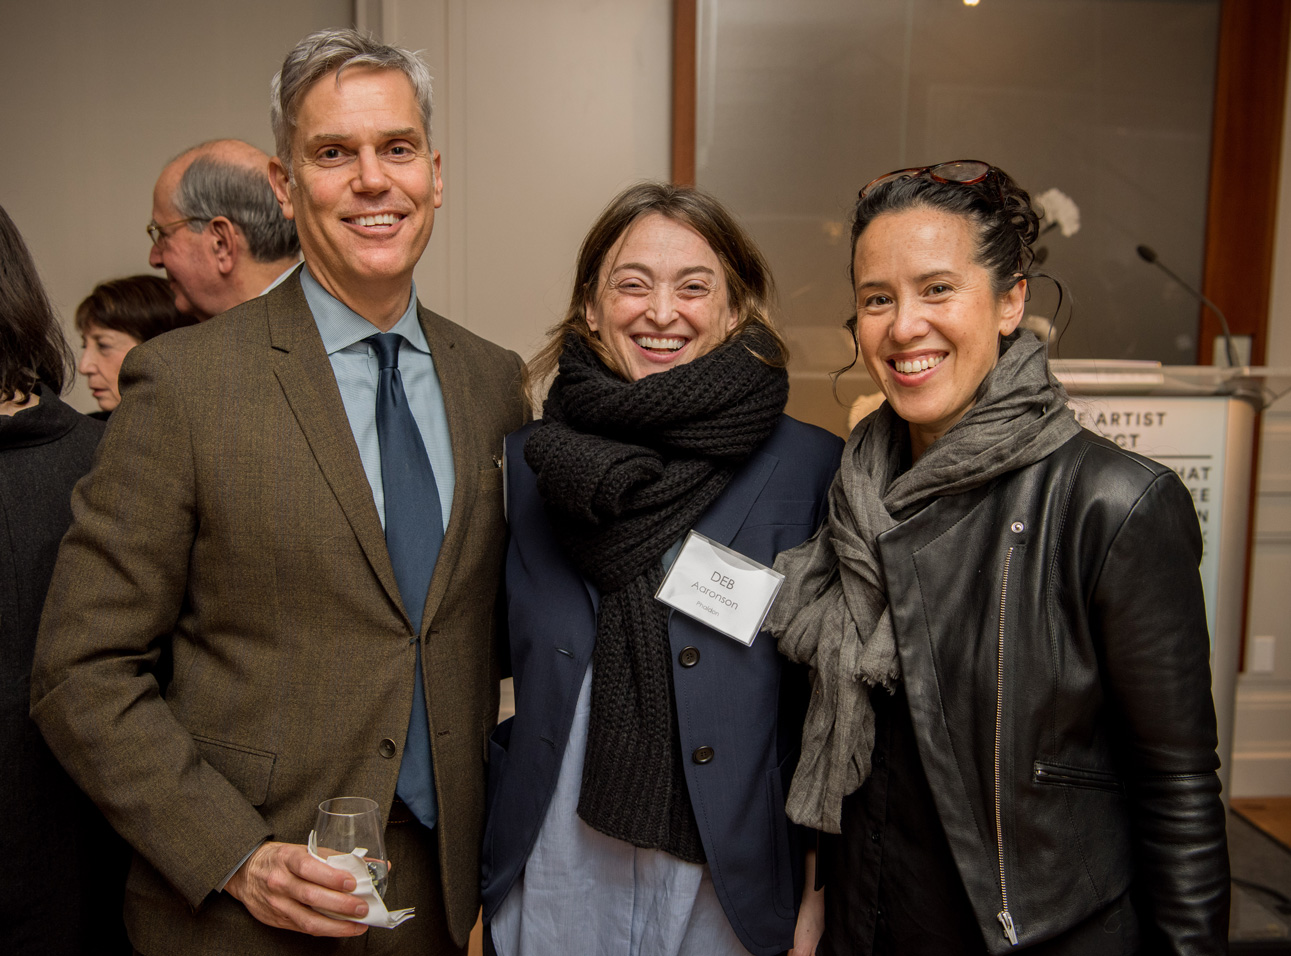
point(832, 612)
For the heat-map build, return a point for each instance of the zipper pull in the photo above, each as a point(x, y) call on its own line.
point(1006, 920)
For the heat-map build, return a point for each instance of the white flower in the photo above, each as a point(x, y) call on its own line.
point(1058, 209)
point(1040, 325)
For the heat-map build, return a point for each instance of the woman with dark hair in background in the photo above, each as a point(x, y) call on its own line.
point(636, 798)
point(112, 320)
point(67, 867)
point(1011, 722)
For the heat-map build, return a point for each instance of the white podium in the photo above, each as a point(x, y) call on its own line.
point(1200, 421)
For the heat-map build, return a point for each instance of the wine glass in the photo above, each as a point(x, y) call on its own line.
point(347, 823)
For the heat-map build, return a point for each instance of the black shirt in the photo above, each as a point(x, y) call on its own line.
point(891, 886)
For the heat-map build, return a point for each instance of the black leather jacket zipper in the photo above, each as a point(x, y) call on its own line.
point(1004, 916)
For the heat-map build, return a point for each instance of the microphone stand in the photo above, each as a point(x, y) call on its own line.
point(1148, 254)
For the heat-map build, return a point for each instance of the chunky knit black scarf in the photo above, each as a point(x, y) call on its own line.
point(625, 469)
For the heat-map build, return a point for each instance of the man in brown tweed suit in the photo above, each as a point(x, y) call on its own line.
point(225, 644)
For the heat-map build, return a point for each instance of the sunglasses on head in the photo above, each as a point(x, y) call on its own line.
point(959, 172)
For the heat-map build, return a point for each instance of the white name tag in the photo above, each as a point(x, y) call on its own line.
point(720, 587)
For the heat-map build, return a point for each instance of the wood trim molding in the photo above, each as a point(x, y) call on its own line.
point(684, 91)
point(1245, 167)
point(1241, 212)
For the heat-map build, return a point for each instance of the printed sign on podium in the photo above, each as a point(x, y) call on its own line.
point(1186, 434)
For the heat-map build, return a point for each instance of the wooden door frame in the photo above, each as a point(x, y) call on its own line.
point(1245, 169)
point(684, 90)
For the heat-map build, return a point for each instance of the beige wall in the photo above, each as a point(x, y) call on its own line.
point(543, 112)
point(98, 96)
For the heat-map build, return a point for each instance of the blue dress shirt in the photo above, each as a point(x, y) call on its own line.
point(354, 363)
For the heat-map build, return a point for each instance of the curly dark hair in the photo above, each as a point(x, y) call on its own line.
point(32, 347)
point(997, 206)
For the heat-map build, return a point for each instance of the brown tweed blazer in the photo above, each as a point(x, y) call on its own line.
point(224, 646)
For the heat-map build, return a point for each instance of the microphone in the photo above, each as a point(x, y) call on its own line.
point(1148, 254)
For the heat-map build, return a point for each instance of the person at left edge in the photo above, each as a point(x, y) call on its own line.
point(234, 523)
point(73, 867)
point(637, 797)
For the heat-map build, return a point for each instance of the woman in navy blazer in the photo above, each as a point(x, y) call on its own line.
point(636, 799)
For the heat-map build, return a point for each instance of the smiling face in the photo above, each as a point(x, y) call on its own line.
point(661, 298)
point(928, 319)
point(365, 184)
point(101, 353)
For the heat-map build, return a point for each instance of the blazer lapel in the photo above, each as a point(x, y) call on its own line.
point(309, 384)
point(727, 514)
point(455, 384)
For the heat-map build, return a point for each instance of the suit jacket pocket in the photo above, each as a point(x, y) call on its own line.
point(246, 768)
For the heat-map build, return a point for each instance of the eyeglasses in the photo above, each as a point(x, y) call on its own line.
point(959, 172)
point(158, 232)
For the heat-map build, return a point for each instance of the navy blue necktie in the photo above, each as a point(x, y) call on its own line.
point(414, 532)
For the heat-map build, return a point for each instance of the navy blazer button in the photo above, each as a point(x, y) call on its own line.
point(386, 748)
point(702, 755)
point(689, 656)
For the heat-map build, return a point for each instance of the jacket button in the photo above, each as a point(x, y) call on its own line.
point(702, 755)
point(386, 748)
point(689, 656)
point(1018, 527)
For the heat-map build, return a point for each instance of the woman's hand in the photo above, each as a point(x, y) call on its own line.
point(811, 915)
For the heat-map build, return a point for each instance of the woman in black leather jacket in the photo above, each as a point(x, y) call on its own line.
point(1011, 730)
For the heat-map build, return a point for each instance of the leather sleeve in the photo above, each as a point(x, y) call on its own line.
point(118, 590)
point(1149, 618)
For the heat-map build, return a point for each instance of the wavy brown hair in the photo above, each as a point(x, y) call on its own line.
point(32, 347)
point(750, 288)
point(141, 306)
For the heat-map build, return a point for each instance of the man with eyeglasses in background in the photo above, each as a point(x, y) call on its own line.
point(217, 229)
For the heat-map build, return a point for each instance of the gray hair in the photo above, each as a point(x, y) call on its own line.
point(333, 50)
point(210, 188)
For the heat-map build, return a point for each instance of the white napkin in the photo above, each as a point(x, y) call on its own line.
point(354, 864)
